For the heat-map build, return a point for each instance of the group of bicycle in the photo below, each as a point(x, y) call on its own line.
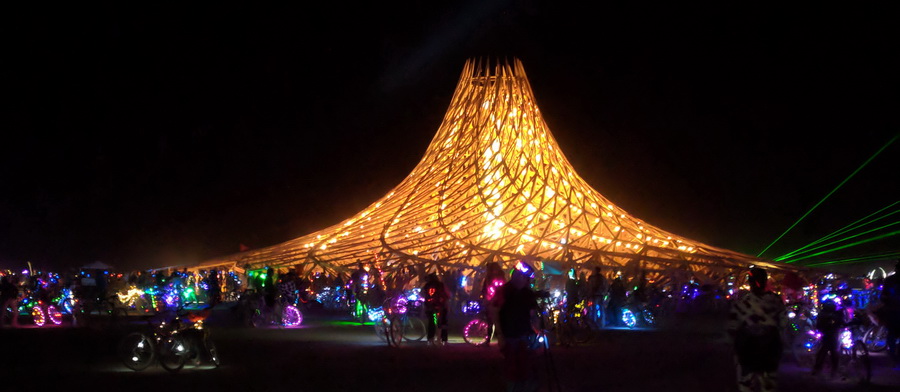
point(837, 328)
point(572, 309)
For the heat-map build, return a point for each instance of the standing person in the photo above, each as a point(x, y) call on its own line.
point(597, 289)
point(828, 323)
point(889, 313)
point(572, 290)
point(435, 295)
point(616, 302)
point(451, 282)
point(514, 307)
point(270, 294)
point(9, 299)
point(494, 279)
point(215, 289)
point(754, 323)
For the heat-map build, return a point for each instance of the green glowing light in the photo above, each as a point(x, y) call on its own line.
point(830, 193)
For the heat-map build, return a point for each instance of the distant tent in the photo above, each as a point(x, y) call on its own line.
point(494, 185)
point(97, 265)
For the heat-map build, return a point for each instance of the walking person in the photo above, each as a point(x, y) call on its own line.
point(435, 295)
point(514, 307)
point(754, 324)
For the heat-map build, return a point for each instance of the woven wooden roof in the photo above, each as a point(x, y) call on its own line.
point(494, 182)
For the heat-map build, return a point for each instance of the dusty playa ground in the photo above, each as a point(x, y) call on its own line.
point(328, 353)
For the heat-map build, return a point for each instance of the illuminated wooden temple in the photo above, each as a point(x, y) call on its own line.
point(493, 183)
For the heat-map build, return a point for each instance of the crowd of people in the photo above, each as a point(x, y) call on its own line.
point(756, 307)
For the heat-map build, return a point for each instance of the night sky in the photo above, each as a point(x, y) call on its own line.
point(167, 135)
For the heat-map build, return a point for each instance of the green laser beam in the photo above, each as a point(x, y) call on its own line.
point(847, 238)
point(829, 194)
point(853, 226)
point(855, 259)
point(893, 233)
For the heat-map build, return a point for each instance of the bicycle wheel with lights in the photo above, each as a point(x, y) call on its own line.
point(628, 318)
point(876, 339)
point(136, 351)
point(37, 314)
point(173, 353)
point(475, 331)
point(54, 315)
point(291, 316)
point(212, 353)
point(649, 318)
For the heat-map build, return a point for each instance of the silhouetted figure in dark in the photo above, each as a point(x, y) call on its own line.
point(828, 323)
point(616, 302)
point(435, 295)
point(514, 306)
point(754, 323)
point(494, 279)
point(214, 289)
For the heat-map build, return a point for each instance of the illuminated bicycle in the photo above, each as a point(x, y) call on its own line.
point(285, 313)
point(854, 363)
point(475, 331)
point(171, 344)
point(634, 316)
point(875, 338)
point(573, 326)
point(42, 313)
point(399, 319)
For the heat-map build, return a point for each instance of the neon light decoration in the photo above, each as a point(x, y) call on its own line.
point(291, 316)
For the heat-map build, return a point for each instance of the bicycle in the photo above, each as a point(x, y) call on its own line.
point(573, 325)
point(170, 344)
point(284, 313)
point(854, 362)
point(475, 332)
point(637, 315)
point(42, 313)
point(875, 338)
point(399, 320)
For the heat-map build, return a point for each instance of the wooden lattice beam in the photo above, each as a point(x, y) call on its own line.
point(493, 181)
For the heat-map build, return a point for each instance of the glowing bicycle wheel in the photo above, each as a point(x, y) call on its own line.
point(136, 351)
point(54, 315)
point(291, 316)
point(475, 332)
point(876, 339)
point(38, 315)
point(628, 318)
point(649, 319)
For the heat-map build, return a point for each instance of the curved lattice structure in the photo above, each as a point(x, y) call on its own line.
point(493, 182)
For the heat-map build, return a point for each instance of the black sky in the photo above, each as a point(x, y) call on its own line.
point(166, 135)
